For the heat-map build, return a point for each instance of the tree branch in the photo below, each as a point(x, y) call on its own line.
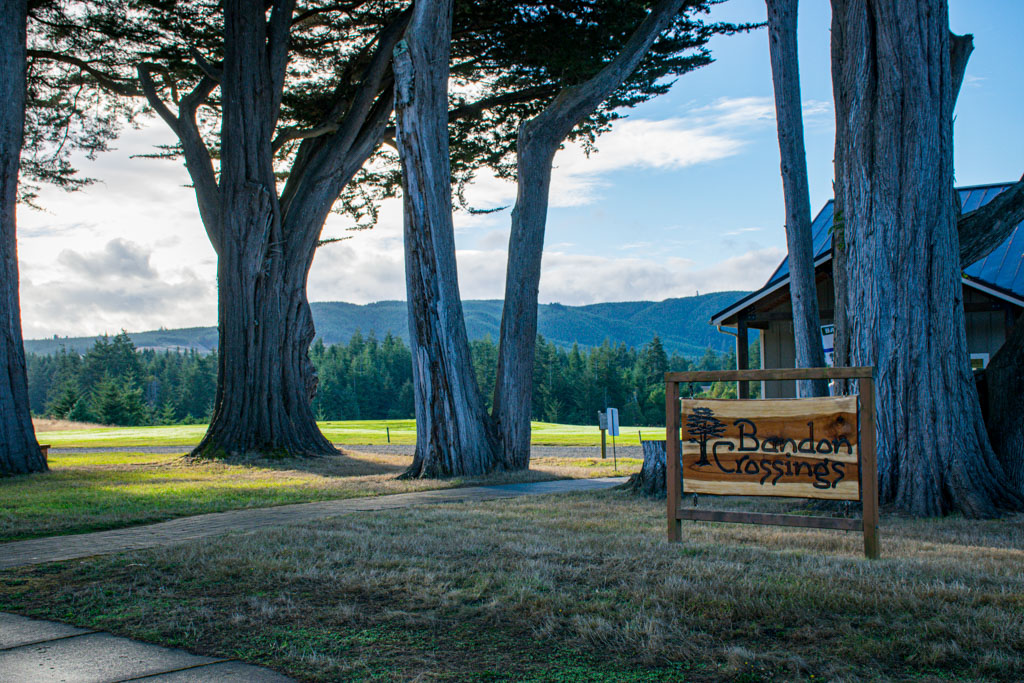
point(278, 28)
point(474, 109)
point(197, 156)
point(985, 228)
point(149, 90)
point(575, 102)
point(111, 83)
point(204, 65)
point(960, 49)
point(337, 7)
point(295, 133)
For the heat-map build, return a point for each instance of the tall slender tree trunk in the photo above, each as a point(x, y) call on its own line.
point(454, 435)
point(19, 452)
point(264, 377)
point(782, 42)
point(538, 141)
point(891, 75)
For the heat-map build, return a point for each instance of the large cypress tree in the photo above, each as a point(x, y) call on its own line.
point(19, 451)
point(895, 87)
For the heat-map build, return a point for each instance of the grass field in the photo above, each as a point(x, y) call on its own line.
point(92, 491)
point(577, 587)
point(346, 432)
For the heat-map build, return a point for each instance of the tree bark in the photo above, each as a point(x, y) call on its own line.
point(454, 435)
point(651, 479)
point(893, 85)
point(19, 451)
point(539, 140)
point(264, 377)
point(782, 42)
point(1004, 380)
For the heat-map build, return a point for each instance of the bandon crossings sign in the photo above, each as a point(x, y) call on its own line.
point(804, 448)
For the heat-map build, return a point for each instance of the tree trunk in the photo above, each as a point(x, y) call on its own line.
point(1004, 379)
point(19, 452)
point(264, 377)
point(782, 42)
point(891, 75)
point(651, 479)
point(538, 141)
point(454, 435)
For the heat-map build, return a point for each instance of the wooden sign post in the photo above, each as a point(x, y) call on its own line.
point(805, 448)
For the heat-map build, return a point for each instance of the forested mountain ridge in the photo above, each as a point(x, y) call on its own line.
point(681, 324)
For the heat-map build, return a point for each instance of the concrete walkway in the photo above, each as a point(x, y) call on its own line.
point(37, 651)
point(59, 548)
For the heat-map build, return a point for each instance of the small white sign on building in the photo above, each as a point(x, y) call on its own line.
point(828, 333)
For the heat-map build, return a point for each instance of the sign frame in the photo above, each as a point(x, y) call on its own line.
point(868, 463)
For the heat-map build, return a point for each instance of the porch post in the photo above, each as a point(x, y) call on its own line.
point(742, 361)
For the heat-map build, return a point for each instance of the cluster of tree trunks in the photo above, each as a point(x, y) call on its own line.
point(19, 452)
point(455, 435)
point(900, 241)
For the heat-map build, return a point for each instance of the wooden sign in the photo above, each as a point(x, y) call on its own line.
point(805, 448)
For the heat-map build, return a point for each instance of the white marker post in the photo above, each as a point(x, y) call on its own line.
point(613, 429)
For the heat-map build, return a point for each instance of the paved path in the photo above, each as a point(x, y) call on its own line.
point(388, 449)
point(58, 548)
point(37, 651)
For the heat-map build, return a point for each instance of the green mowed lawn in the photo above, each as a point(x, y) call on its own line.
point(576, 587)
point(92, 491)
point(340, 432)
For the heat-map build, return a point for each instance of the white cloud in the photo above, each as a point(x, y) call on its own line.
point(703, 135)
point(584, 279)
point(91, 306)
point(120, 258)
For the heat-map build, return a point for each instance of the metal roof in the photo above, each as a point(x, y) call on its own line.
point(1002, 270)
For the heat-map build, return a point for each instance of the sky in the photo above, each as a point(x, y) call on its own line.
point(682, 197)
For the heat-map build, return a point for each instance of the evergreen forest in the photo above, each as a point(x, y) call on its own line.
point(366, 379)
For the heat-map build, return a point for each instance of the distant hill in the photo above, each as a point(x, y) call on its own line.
point(682, 325)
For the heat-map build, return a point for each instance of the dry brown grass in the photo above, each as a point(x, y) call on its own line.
point(45, 424)
point(568, 588)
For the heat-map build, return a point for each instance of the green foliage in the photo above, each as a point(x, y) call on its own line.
point(113, 383)
point(508, 60)
point(365, 379)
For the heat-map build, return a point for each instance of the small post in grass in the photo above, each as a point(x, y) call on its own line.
point(602, 424)
point(613, 429)
point(388, 430)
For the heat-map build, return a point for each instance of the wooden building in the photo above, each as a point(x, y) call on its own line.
point(993, 299)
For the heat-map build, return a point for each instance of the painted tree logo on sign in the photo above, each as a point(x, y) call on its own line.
point(771, 448)
point(703, 425)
